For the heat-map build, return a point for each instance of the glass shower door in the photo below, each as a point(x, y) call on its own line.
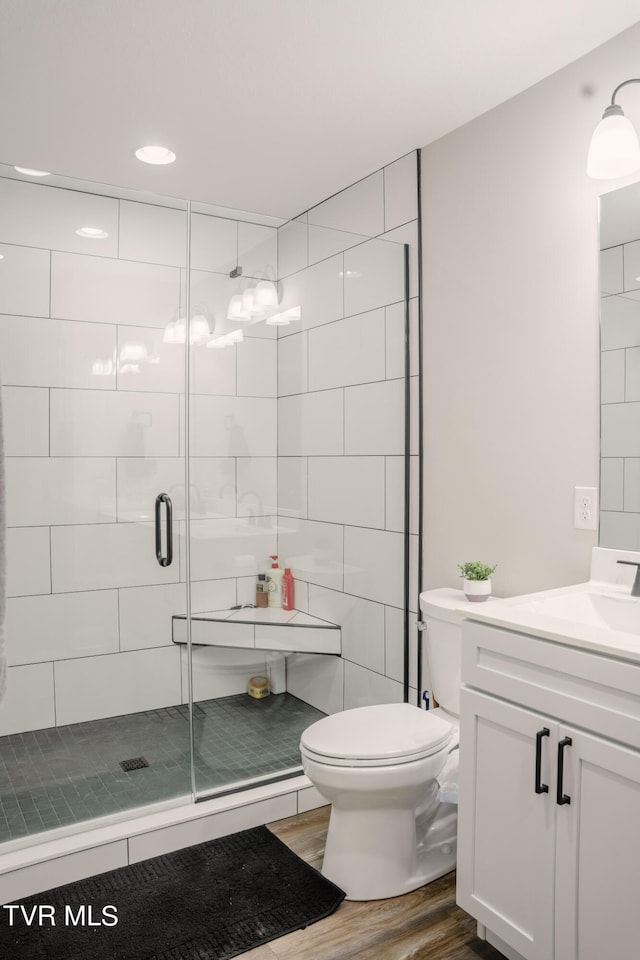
point(93, 723)
point(297, 413)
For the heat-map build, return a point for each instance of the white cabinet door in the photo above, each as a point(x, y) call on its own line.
point(506, 831)
point(598, 851)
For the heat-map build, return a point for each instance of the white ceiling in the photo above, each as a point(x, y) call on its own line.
point(270, 105)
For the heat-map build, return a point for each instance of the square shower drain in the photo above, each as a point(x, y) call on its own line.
point(136, 763)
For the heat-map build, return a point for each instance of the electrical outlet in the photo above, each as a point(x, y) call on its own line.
point(585, 508)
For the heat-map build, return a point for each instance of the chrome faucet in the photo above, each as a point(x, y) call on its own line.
point(635, 589)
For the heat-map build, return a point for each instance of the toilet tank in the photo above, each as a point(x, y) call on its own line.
point(443, 644)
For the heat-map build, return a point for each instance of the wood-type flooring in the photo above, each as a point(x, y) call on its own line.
point(425, 924)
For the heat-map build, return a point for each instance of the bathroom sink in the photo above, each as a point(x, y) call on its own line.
point(599, 614)
point(616, 611)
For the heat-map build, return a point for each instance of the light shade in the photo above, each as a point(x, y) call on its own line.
point(614, 150)
point(234, 310)
point(266, 294)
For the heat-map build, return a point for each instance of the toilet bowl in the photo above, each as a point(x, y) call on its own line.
point(392, 827)
point(378, 767)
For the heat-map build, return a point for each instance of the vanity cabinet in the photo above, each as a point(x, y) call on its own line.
point(549, 815)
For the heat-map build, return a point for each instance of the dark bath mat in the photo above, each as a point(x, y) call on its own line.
point(207, 902)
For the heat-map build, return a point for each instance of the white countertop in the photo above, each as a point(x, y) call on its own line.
point(596, 615)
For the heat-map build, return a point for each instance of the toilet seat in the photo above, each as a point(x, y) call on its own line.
point(376, 736)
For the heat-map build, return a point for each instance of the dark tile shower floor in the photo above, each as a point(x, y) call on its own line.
point(63, 775)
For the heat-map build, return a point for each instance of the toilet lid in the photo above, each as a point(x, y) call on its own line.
point(386, 733)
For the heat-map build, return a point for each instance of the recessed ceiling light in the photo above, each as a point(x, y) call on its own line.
point(155, 155)
point(1, 256)
point(92, 233)
point(32, 173)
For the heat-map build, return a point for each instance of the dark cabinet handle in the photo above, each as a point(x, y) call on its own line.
point(164, 561)
point(561, 797)
point(540, 787)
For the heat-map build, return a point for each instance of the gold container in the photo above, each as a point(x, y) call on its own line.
point(258, 687)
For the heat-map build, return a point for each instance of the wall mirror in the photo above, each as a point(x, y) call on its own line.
point(620, 368)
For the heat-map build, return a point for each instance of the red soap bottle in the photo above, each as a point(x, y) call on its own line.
point(287, 590)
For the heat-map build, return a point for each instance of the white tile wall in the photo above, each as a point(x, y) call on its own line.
point(395, 323)
point(632, 265)
point(24, 280)
point(213, 371)
point(103, 423)
point(257, 487)
point(28, 564)
point(631, 484)
point(611, 270)
point(374, 566)
point(362, 623)
point(292, 246)
point(395, 483)
point(146, 612)
point(612, 382)
point(90, 688)
point(347, 490)
point(318, 291)
point(233, 426)
point(326, 242)
point(100, 290)
point(220, 672)
point(110, 315)
point(141, 479)
point(364, 687)
point(318, 680)
point(619, 323)
point(29, 703)
point(60, 626)
point(152, 234)
point(52, 490)
point(400, 191)
point(374, 276)
point(229, 548)
point(105, 555)
point(313, 551)
point(35, 215)
point(311, 424)
point(619, 530)
point(357, 209)
point(257, 250)
point(407, 234)
point(56, 353)
point(292, 486)
point(612, 483)
point(257, 368)
point(620, 430)
point(348, 351)
point(20, 406)
point(374, 418)
point(146, 363)
point(631, 377)
point(292, 364)
point(214, 243)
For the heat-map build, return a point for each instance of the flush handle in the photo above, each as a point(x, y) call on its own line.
point(540, 787)
point(164, 559)
point(561, 797)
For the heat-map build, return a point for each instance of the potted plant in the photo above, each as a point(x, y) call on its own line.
point(476, 580)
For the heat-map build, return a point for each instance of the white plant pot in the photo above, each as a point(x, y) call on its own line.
point(476, 590)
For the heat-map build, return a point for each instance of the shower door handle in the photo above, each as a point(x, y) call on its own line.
point(163, 560)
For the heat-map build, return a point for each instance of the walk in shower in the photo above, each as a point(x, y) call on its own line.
point(186, 391)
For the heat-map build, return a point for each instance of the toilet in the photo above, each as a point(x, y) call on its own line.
point(390, 830)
